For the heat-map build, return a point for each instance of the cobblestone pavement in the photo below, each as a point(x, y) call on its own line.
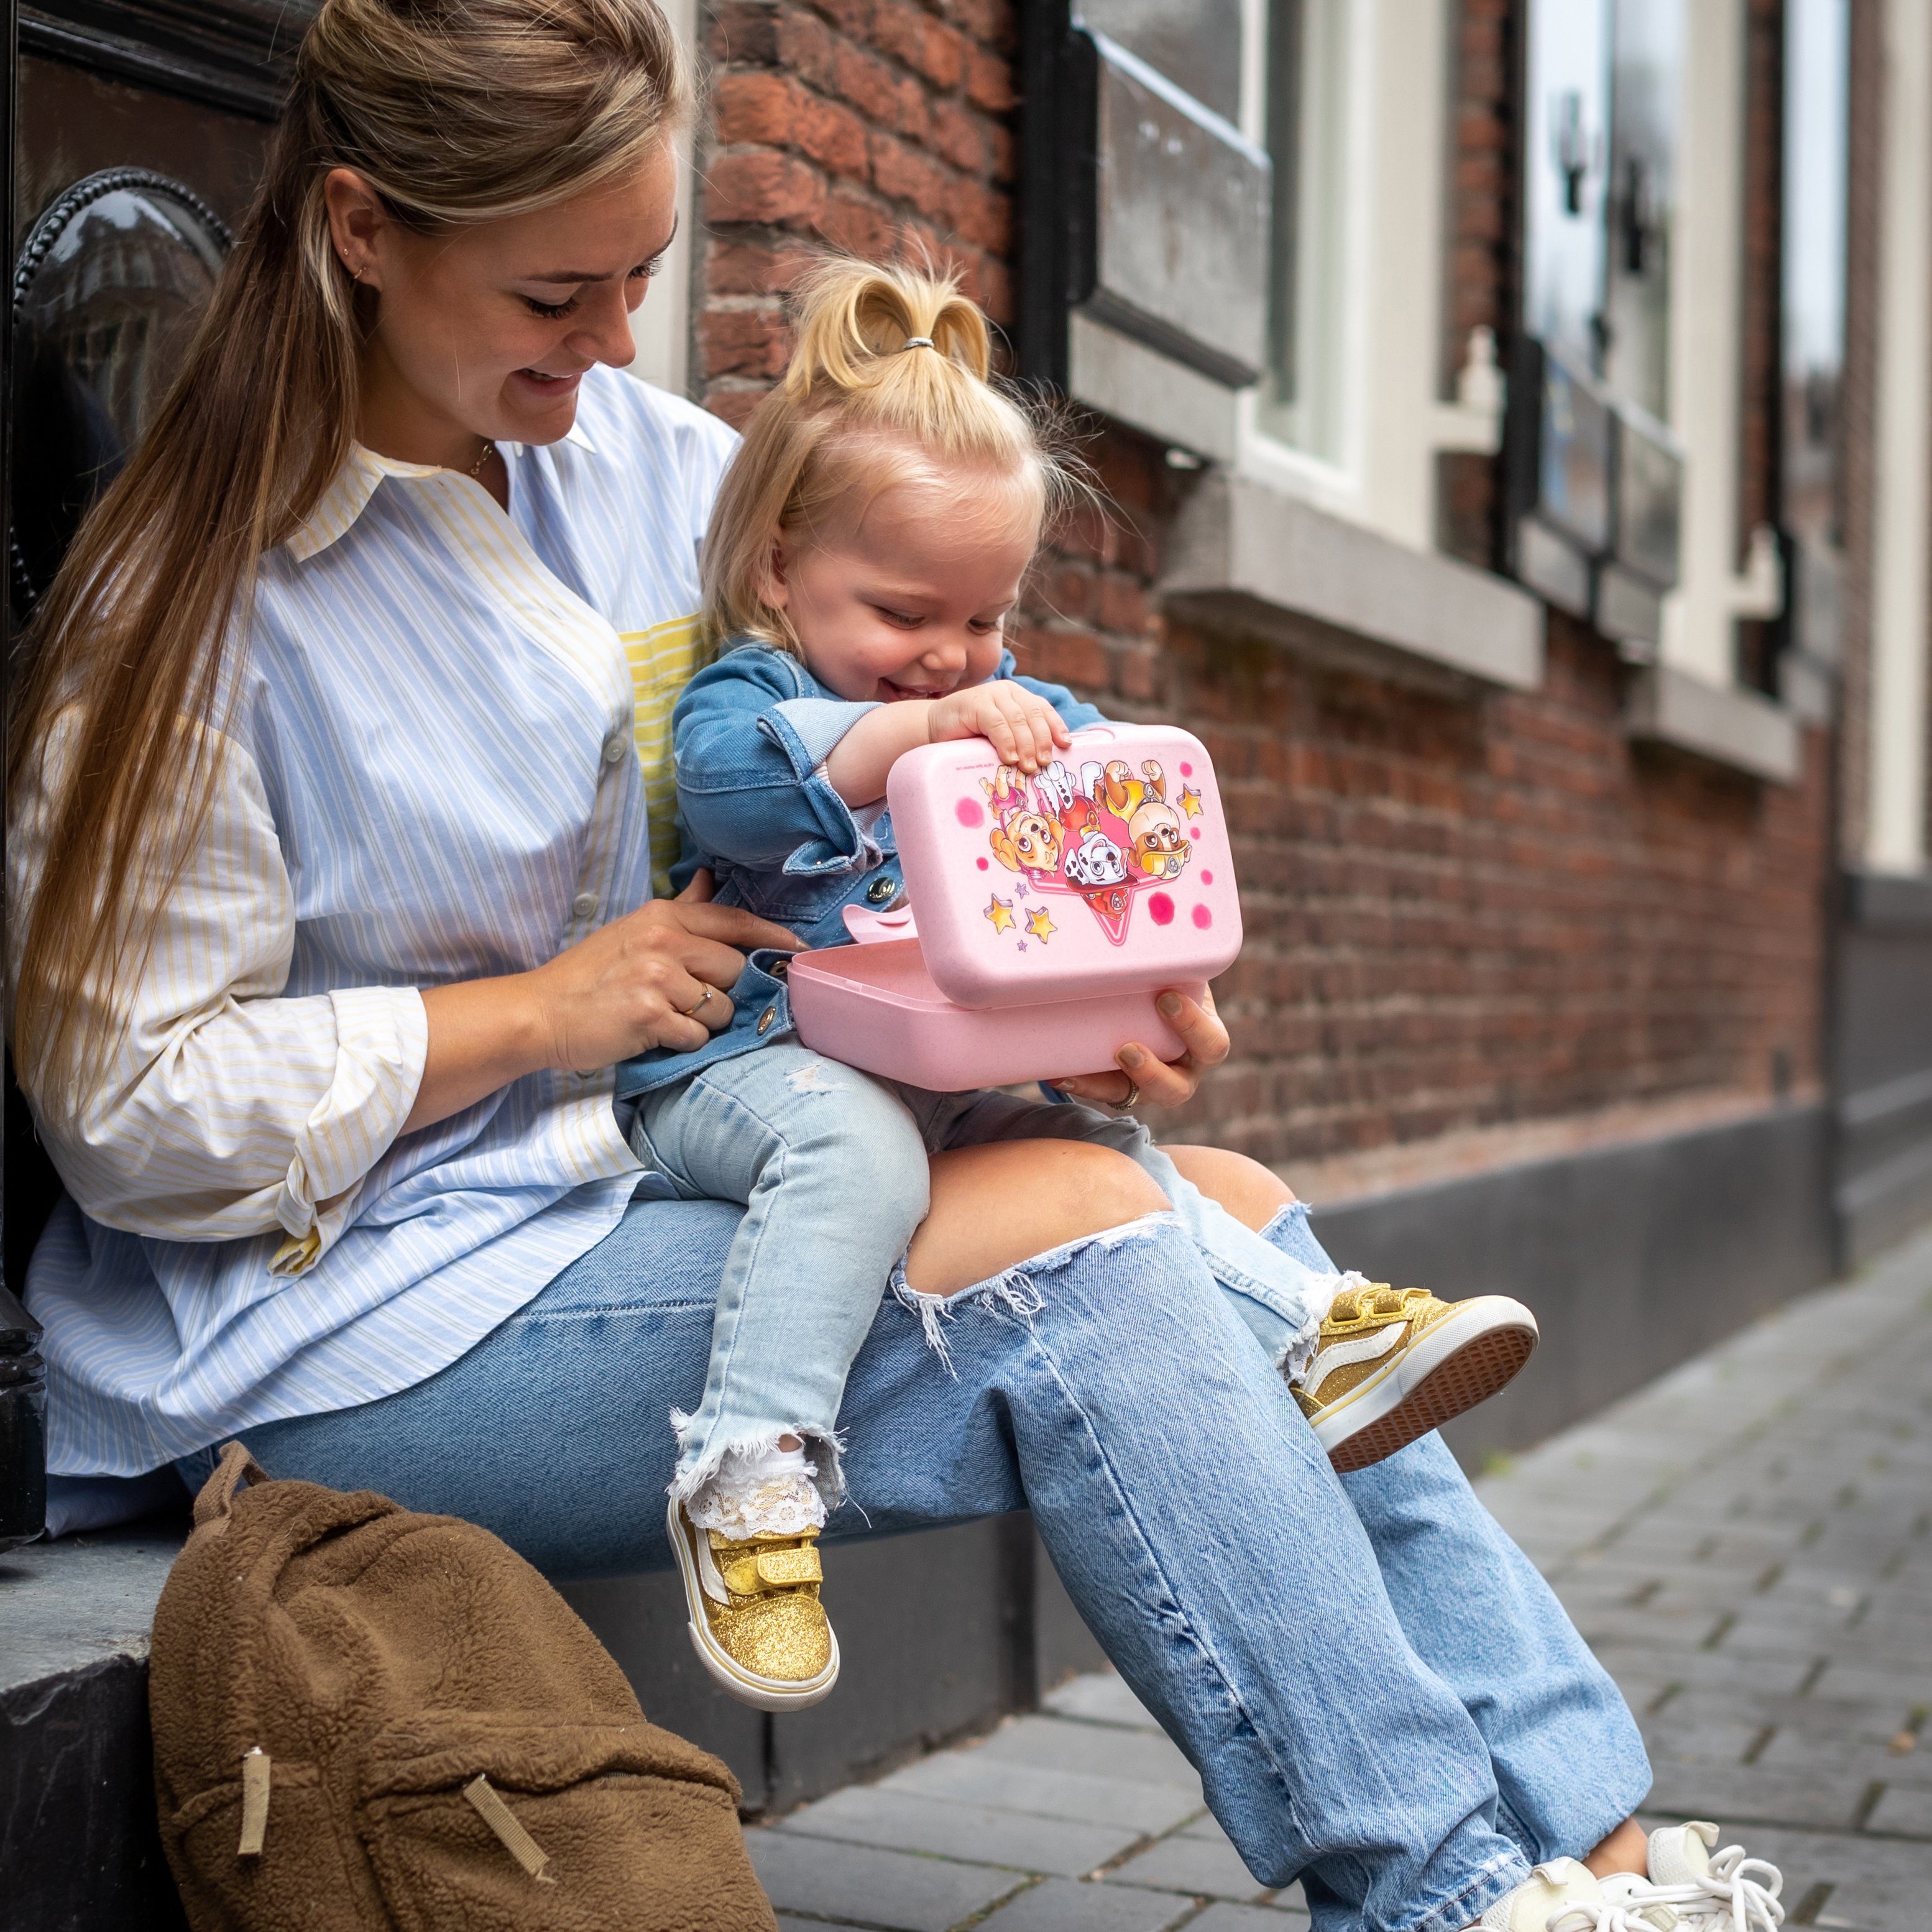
point(1748, 1544)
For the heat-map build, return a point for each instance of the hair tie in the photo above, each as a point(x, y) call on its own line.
point(918, 342)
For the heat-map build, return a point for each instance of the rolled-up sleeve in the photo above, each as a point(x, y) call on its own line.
point(225, 1109)
point(750, 747)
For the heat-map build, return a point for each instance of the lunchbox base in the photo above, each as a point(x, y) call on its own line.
point(875, 1007)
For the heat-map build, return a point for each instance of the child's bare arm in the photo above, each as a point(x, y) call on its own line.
point(1022, 727)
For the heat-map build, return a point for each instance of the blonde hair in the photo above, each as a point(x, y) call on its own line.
point(456, 112)
point(890, 363)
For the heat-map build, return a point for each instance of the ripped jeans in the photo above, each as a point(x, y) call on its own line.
point(1381, 1696)
point(830, 1166)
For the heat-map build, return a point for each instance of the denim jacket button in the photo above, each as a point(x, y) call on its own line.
point(766, 1019)
point(882, 889)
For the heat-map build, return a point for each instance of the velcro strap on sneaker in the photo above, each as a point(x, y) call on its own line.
point(765, 1570)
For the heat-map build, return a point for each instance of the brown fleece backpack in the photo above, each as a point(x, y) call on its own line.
point(365, 1718)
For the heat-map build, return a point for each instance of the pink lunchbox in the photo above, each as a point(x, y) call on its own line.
point(1045, 914)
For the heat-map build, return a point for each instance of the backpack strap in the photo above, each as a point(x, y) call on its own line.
point(215, 1504)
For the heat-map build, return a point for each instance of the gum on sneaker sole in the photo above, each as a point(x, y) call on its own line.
point(1468, 1375)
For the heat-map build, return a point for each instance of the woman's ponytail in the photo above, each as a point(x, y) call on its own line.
point(454, 112)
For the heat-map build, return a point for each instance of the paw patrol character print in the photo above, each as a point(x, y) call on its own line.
point(1103, 836)
point(1155, 833)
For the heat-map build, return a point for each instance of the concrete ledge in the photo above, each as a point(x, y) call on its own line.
point(1249, 557)
point(1634, 1257)
point(1889, 901)
point(79, 1846)
point(1727, 724)
point(1147, 390)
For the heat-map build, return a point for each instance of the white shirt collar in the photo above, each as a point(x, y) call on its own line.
point(347, 497)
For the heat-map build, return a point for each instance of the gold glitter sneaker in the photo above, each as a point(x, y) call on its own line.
point(1391, 1364)
point(756, 1622)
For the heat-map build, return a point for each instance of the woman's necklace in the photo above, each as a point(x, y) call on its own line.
point(476, 468)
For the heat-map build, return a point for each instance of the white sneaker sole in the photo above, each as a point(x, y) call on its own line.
point(762, 1693)
point(1461, 1362)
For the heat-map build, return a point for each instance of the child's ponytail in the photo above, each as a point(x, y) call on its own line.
point(889, 363)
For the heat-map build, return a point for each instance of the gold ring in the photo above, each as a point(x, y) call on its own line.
point(697, 1005)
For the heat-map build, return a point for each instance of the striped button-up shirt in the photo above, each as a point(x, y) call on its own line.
point(444, 759)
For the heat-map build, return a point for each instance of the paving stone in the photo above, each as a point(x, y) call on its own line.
point(1100, 1697)
point(1742, 1795)
point(1905, 1814)
point(897, 1821)
point(1283, 1915)
point(1866, 1884)
point(891, 1889)
point(787, 1923)
point(1062, 1905)
point(972, 1777)
point(1053, 1744)
point(1197, 1865)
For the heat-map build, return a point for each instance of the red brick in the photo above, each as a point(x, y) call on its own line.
point(932, 49)
point(989, 81)
point(742, 342)
point(754, 185)
point(960, 135)
point(754, 268)
point(982, 214)
point(744, 30)
point(903, 174)
point(855, 222)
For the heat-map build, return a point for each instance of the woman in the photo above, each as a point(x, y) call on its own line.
point(395, 1237)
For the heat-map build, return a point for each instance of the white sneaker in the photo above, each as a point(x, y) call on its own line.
point(1712, 1890)
point(1565, 1896)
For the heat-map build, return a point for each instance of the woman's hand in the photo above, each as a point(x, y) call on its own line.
point(659, 977)
point(1145, 1082)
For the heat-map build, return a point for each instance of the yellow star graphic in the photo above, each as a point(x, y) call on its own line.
point(1039, 923)
point(1000, 912)
point(1190, 802)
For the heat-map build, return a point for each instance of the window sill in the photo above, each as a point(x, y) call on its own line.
point(1728, 726)
point(1248, 557)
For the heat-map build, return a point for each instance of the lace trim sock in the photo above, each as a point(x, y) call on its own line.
point(768, 1494)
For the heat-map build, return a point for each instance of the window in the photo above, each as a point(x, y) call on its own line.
point(1815, 134)
point(1308, 103)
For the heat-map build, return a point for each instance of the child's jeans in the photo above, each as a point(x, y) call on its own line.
point(830, 1165)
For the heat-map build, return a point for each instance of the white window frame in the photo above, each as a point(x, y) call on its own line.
point(1399, 61)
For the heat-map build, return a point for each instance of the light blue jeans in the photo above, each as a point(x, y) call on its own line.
point(830, 1166)
point(1382, 1696)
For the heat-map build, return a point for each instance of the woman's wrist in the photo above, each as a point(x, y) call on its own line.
point(484, 1035)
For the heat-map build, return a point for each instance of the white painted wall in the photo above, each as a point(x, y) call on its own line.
point(661, 327)
point(1902, 533)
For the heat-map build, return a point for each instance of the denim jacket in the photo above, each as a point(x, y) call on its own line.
point(750, 737)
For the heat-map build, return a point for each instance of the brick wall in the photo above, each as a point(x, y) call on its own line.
point(1459, 913)
point(877, 126)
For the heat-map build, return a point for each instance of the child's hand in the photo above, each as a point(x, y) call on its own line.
point(1021, 726)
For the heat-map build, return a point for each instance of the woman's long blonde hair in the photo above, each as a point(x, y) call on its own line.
point(888, 363)
point(455, 111)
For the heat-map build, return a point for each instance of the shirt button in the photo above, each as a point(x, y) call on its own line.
point(882, 889)
point(583, 905)
point(766, 1019)
point(613, 748)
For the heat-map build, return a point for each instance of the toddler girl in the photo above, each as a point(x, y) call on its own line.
point(866, 549)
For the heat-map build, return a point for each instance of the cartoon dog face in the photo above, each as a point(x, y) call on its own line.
point(1161, 847)
point(1026, 842)
point(1096, 861)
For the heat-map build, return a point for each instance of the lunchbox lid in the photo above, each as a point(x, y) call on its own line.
point(1108, 871)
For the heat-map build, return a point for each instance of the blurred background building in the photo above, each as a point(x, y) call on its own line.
point(1518, 414)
